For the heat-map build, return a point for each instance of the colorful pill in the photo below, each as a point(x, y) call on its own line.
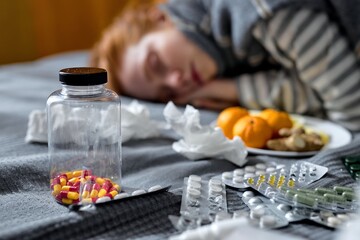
point(113, 193)
point(70, 188)
point(334, 198)
point(69, 175)
point(341, 189)
point(349, 196)
point(100, 181)
point(322, 191)
point(304, 199)
point(69, 195)
point(95, 190)
point(77, 173)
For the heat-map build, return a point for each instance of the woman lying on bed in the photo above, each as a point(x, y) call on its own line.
point(220, 53)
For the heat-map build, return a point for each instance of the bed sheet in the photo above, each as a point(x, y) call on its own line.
point(28, 211)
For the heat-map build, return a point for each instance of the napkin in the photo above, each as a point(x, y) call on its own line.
point(135, 123)
point(198, 141)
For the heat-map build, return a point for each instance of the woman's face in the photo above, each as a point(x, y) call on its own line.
point(164, 65)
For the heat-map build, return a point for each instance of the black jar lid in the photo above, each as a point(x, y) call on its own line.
point(82, 76)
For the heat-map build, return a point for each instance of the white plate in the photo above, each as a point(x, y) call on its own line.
point(338, 135)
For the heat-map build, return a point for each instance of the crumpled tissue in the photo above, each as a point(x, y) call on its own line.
point(198, 141)
point(135, 123)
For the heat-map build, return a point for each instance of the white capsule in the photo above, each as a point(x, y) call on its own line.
point(254, 201)
point(154, 188)
point(248, 194)
point(258, 173)
point(227, 175)
point(283, 207)
point(238, 179)
point(193, 193)
point(138, 192)
point(215, 182)
point(270, 169)
point(239, 172)
point(260, 166)
point(267, 221)
point(194, 178)
point(250, 169)
point(121, 195)
point(196, 185)
point(257, 213)
point(103, 199)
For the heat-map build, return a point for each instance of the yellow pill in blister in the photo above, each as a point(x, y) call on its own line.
point(250, 181)
point(272, 180)
point(291, 183)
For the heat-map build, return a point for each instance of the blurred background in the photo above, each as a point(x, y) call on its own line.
point(31, 29)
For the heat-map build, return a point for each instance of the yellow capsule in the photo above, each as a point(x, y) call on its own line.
point(66, 201)
point(69, 175)
point(100, 181)
point(102, 192)
point(117, 187)
point(73, 180)
point(86, 200)
point(93, 193)
point(57, 189)
point(73, 195)
point(114, 193)
point(62, 181)
point(85, 194)
point(77, 173)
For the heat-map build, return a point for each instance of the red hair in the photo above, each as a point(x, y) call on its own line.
point(127, 29)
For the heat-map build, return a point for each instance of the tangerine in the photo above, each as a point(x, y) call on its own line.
point(253, 130)
point(276, 119)
point(228, 117)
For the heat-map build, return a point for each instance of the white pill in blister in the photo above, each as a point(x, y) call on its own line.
point(215, 190)
point(267, 221)
point(195, 178)
point(103, 199)
point(248, 194)
point(239, 172)
point(250, 169)
point(270, 169)
point(254, 201)
point(121, 195)
point(258, 173)
point(196, 185)
point(260, 166)
point(154, 188)
point(249, 175)
point(215, 182)
point(138, 192)
point(283, 207)
point(227, 175)
point(280, 166)
point(334, 221)
point(194, 193)
point(326, 214)
point(257, 213)
point(238, 179)
point(240, 213)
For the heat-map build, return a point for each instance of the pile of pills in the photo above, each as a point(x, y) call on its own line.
point(71, 187)
point(81, 187)
point(352, 164)
point(338, 198)
point(263, 212)
point(202, 200)
point(238, 177)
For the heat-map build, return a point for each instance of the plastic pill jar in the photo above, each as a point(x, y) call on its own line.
point(84, 134)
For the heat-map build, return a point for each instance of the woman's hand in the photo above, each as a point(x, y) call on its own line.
point(216, 95)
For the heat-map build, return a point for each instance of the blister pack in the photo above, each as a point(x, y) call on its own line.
point(238, 177)
point(201, 199)
point(263, 212)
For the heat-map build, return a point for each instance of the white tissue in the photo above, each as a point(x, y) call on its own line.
point(135, 124)
point(199, 141)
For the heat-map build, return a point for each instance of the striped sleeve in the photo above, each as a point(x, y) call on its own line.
point(320, 73)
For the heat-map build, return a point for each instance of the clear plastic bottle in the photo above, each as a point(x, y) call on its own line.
point(84, 135)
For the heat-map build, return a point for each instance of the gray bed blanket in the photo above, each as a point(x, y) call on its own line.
point(28, 211)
